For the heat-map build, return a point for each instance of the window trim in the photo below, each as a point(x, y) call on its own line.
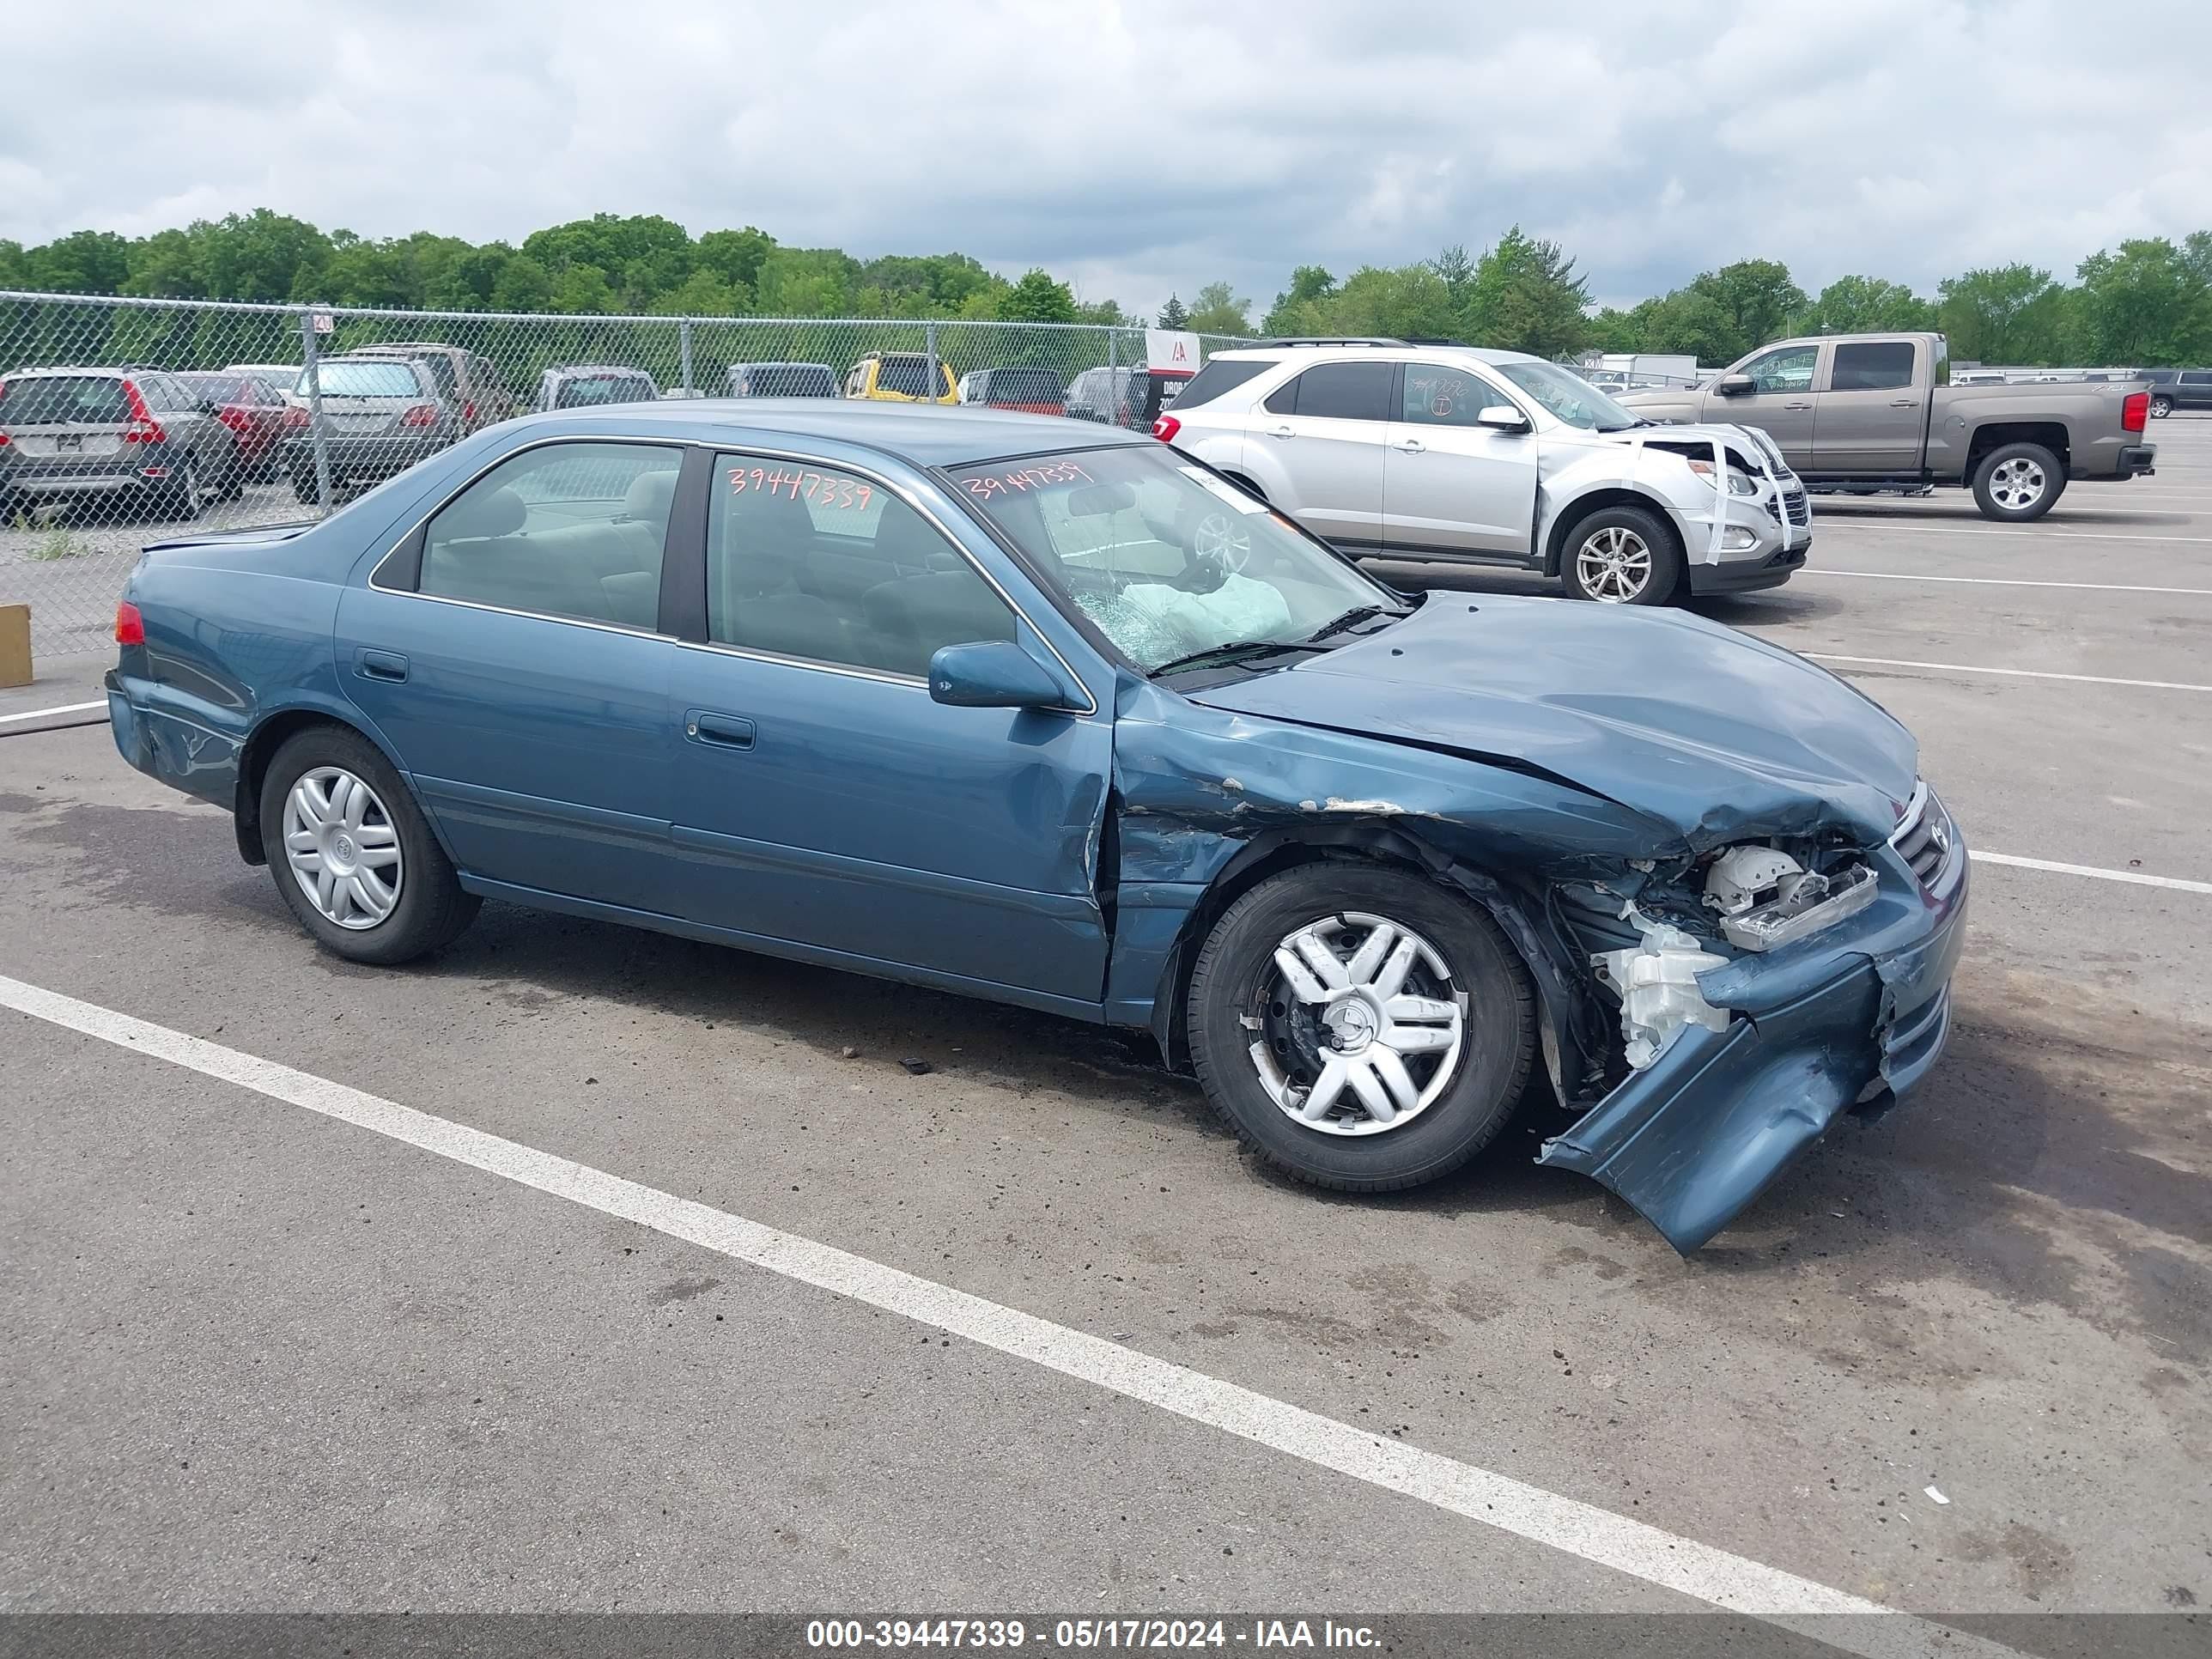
point(404, 558)
point(716, 452)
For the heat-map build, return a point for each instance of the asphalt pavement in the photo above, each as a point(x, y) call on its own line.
point(266, 1351)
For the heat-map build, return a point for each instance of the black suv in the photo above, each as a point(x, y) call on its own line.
point(2179, 388)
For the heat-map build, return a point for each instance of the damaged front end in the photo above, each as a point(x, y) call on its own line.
point(1810, 991)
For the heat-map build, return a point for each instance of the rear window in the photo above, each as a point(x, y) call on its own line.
point(1871, 366)
point(1344, 392)
point(581, 391)
point(222, 388)
point(792, 381)
point(1023, 386)
point(908, 376)
point(359, 379)
point(1223, 375)
point(61, 399)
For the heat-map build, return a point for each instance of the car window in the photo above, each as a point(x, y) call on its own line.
point(362, 377)
point(1871, 366)
point(1221, 376)
point(2198, 377)
point(1785, 369)
point(1343, 391)
point(1441, 394)
point(59, 399)
point(564, 530)
point(820, 564)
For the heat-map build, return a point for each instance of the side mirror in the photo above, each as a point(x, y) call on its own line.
point(991, 674)
point(1502, 417)
point(1735, 385)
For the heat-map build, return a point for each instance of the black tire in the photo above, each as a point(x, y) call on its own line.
point(432, 909)
point(2001, 473)
point(2161, 407)
point(304, 490)
point(1644, 526)
point(1233, 978)
point(183, 501)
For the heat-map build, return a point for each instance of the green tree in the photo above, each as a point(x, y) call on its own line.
point(1523, 296)
point(82, 262)
point(582, 290)
point(735, 256)
point(1690, 319)
point(704, 294)
point(1615, 329)
point(1757, 299)
point(14, 272)
point(262, 256)
point(807, 282)
point(1402, 300)
point(1310, 287)
point(522, 284)
point(1863, 304)
point(1038, 299)
point(2002, 314)
point(1218, 311)
point(2149, 304)
point(170, 264)
point(1172, 314)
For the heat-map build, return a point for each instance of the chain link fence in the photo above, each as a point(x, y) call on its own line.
point(125, 421)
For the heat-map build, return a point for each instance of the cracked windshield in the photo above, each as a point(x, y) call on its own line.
point(1168, 560)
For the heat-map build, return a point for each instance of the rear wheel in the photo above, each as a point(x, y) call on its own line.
point(1360, 1027)
point(2016, 482)
point(352, 855)
point(184, 499)
point(1621, 555)
point(2161, 407)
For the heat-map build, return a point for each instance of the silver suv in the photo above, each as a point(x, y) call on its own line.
point(1452, 452)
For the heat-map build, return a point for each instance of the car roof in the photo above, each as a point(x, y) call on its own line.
point(781, 362)
point(1353, 351)
point(924, 435)
point(66, 368)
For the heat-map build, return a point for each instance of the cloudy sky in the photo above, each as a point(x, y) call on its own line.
point(1139, 147)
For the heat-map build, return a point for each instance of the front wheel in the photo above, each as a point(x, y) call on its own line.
point(2161, 407)
point(2018, 481)
point(1621, 555)
point(352, 854)
point(1360, 1027)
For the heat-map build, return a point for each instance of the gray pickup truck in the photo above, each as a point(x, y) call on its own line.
point(1879, 410)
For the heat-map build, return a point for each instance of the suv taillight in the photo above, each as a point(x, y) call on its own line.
point(421, 415)
point(2134, 410)
point(1165, 428)
point(143, 428)
point(129, 626)
point(469, 409)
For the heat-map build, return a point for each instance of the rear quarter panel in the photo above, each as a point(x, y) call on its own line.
point(2089, 410)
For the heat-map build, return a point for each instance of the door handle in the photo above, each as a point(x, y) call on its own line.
point(1904, 402)
point(1282, 432)
point(1411, 447)
point(1796, 405)
point(387, 666)
point(723, 731)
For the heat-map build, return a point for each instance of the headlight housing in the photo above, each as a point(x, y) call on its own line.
point(1738, 482)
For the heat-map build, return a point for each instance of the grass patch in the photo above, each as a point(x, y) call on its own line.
point(56, 544)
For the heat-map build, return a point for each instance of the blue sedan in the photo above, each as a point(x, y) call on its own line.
point(1030, 710)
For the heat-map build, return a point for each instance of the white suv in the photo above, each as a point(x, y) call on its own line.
point(1456, 453)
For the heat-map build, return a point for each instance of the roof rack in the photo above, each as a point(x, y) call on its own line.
point(1336, 340)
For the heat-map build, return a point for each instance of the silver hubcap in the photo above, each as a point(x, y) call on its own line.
point(1218, 537)
point(342, 847)
point(2016, 483)
point(1614, 565)
point(1358, 1027)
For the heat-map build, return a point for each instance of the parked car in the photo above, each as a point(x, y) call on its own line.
point(781, 380)
point(1880, 408)
point(579, 385)
point(1003, 707)
point(1111, 397)
point(137, 440)
point(1460, 454)
point(899, 377)
point(467, 381)
point(253, 409)
point(1034, 390)
point(279, 375)
point(2179, 388)
point(381, 415)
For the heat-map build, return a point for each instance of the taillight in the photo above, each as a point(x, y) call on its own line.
point(421, 415)
point(129, 626)
point(236, 419)
point(469, 410)
point(1165, 428)
point(144, 428)
point(3, 441)
point(294, 416)
point(2134, 410)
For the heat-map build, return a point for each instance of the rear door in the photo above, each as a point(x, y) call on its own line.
point(1780, 400)
point(1449, 485)
point(1324, 432)
point(2193, 389)
point(1873, 415)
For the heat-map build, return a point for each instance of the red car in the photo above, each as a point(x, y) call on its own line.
point(1039, 390)
point(253, 409)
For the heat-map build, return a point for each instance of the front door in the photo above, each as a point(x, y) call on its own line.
point(509, 653)
point(1449, 484)
point(1324, 432)
point(1873, 418)
point(1780, 400)
point(822, 799)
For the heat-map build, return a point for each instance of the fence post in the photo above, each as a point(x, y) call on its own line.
point(929, 340)
point(310, 360)
point(684, 351)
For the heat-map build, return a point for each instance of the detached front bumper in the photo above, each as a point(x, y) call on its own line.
point(1815, 1026)
point(1761, 540)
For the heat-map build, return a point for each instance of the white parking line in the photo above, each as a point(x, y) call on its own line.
point(1600, 1536)
point(58, 708)
point(2004, 581)
point(2135, 877)
point(1841, 519)
point(2020, 673)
